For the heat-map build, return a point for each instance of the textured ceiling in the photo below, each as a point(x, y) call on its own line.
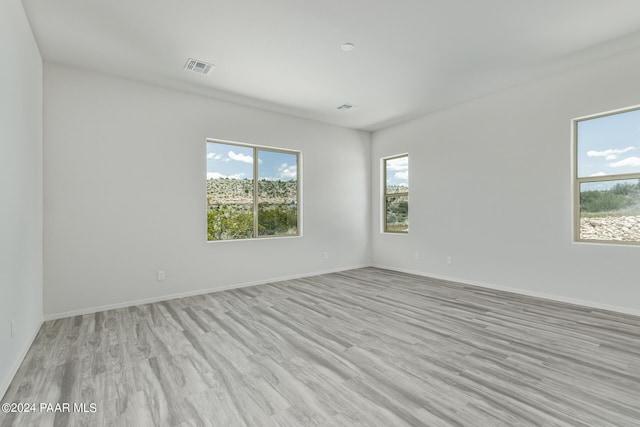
point(411, 57)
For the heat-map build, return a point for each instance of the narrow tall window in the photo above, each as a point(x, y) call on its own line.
point(251, 191)
point(607, 177)
point(396, 194)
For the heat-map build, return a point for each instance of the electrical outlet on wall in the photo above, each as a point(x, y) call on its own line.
point(160, 275)
point(449, 260)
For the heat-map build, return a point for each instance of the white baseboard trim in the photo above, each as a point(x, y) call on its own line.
point(557, 298)
point(4, 387)
point(552, 297)
point(91, 310)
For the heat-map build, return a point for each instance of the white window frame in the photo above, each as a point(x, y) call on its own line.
point(383, 193)
point(256, 149)
point(576, 181)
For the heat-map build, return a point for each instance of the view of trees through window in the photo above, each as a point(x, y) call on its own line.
point(608, 177)
point(396, 194)
point(242, 207)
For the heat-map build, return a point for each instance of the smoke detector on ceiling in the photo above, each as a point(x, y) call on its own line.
point(347, 47)
point(198, 66)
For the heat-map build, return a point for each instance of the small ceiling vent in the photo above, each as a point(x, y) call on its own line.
point(345, 107)
point(198, 66)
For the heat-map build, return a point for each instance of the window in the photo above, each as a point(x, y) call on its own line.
point(396, 194)
point(607, 177)
point(249, 198)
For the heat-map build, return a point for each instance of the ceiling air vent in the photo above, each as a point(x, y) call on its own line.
point(198, 66)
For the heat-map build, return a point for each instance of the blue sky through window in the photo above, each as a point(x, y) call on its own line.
point(275, 165)
point(236, 162)
point(398, 171)
point(609, 145)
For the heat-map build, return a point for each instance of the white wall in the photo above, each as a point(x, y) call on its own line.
point(125, 193)
point(20, 188)
point(490, 186)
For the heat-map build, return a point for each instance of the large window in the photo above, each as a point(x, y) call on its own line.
point(251, 191)
point(396, 194)
point(607, 177)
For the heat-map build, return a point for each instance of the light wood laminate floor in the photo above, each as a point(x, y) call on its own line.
point(365, 347)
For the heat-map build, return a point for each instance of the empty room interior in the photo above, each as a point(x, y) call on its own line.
point(324, 213)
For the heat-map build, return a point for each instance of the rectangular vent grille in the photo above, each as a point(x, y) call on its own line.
point(198, 66)
point(345, 107)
